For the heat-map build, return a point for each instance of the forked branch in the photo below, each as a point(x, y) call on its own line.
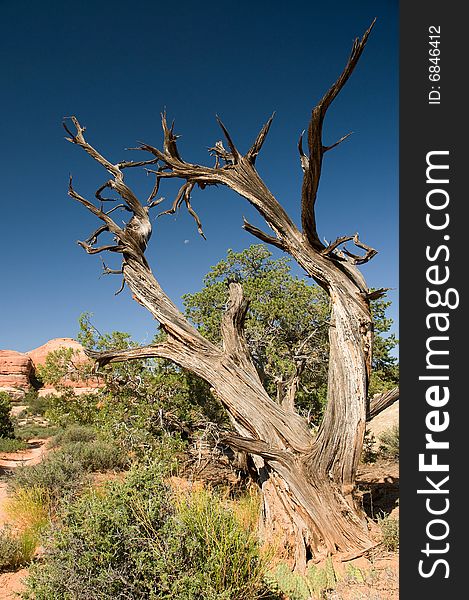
point(312, 165)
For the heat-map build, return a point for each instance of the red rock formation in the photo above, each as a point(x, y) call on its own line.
point(39, 355)
point(16, 369)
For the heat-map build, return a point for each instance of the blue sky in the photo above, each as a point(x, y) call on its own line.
point(116, 66)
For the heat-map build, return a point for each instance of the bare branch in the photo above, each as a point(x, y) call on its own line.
point(110, 248)
point(355, 258)
point(94, 236)
point(92, 208)
point(232, 329)
point(79, 139)
point(304, 160)
point(380, 402)
point(312, 173)
point(335, 244)
point(256, 447)
point(375, 294)
point(342, 139)
point(258, 233)
point(360, 260)
point(234, 151)
point(169, 142)
point(257, 145)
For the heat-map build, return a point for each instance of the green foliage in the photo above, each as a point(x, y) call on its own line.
point(31, 431)
point(74, 433)
point(369, 454)
point(286, 318)
point(6, 425)
point(389, 446)
point(36, 406)
point(390, 532)
point(69, 408)
point(385, 374)
point(64, 470)
point(303, 587)
point(132, 539)
point(12, 445)
point(16, 549)
point(286, 326)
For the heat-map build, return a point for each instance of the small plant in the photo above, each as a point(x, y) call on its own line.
point(389, 446)
point(16, 549)
point(390, 532)
point(65, 469)
point(59, 474)
point(313, 584)
point(292, 585)
point(29, 508)
point(369, 454)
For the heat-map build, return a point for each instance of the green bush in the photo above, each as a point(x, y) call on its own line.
point(74, 433)
point(65, 469)
point(389, 446)
point(41, 432)
point(36, 406)
point(15, 549)
point(134, 539)
point(11, 445)
point(390, 532)
point(6, 425)
point(96, 456)
point(69, 408)
point(58, 473)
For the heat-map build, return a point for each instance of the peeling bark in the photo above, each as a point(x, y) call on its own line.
point(307, 478)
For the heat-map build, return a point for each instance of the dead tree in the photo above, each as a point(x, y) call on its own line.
point(307, 478)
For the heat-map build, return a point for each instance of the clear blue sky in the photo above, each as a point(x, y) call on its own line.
point(116, 65)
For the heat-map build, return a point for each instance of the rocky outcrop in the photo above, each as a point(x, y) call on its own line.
point(39, 355)
point(16, 369)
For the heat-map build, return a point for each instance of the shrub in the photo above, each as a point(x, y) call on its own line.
point(11, 445)
point(96, 456)
point(6, 425)
point(133, 539)
point(16, 549)
point(36, 406)
point(65, 469)
point(69, 408)
point(58, 473)
point(29, 508)
point(41, 432)
point(74, 433)
point(389, 446)
point(390, 532)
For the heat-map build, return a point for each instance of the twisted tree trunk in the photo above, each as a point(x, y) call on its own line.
point(307, 479)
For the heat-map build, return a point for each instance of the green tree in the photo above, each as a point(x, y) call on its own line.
point(286, 326)
point(6, 425)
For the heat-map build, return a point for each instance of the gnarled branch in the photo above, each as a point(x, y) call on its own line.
point(312, 165)
point(380, 402)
